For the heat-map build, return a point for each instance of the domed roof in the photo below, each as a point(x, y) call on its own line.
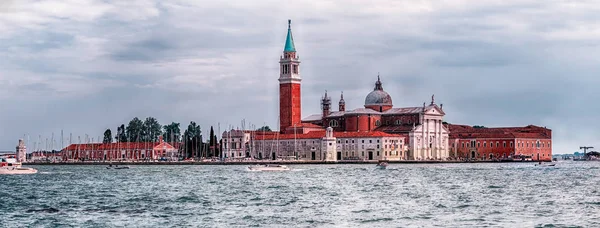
point(378, 96)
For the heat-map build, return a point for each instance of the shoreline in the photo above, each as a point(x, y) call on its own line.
point(267, 162)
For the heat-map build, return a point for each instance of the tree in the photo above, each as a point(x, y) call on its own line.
point(135, 130)
point(107, 136)
point(151, 130)
point(477, 126)
point(264, 128)
point(192, 140)
point(172, 133)
point(218, 153)
point(121, 134)
point(212, 141)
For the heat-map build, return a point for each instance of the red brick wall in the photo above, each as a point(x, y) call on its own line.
point(529, 147)
point(290, 110)
point(351, 123)
point(374, 119)
point(483, 149)
point(363, 122)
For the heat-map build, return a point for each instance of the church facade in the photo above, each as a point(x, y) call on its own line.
point(376, 131)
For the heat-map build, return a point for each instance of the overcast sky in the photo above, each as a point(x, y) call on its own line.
point(85, 65)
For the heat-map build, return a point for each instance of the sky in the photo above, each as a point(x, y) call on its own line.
point(82, 66)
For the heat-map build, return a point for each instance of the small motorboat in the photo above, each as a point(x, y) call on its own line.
point(382, 165)
point(11, 166)
point(545, 164)
point(269, 167)
point(117, 167)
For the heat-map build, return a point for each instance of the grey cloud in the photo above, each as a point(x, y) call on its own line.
point(484, 72)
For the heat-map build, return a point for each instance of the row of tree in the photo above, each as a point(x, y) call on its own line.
point(191, 141)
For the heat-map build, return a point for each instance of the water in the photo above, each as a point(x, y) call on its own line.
point(405, 195)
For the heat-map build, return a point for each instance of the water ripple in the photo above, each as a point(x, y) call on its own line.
point(413, 195)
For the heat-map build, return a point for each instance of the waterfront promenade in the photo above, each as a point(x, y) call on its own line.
point(256, 162)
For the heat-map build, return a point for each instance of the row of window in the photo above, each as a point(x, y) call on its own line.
point(537, 144)
point(484, 144)
point(335, 123)
point(285, 69)
point(391, 153)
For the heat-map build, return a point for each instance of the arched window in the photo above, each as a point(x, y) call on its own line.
point(398, 122)
point(333, 123)
point(377, 122)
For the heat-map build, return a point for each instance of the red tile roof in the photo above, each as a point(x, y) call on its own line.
point(122, 145)
point(530, 131)
point(321, 134)
point(396, 129)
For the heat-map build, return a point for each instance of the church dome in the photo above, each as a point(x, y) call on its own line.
point(378, 97)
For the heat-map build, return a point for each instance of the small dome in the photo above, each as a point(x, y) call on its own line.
point(378, 96)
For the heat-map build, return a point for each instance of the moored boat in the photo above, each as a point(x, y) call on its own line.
point(117, 167)
point(269, 167)
point(545, 164)
point(11, 166)
point(382, 165)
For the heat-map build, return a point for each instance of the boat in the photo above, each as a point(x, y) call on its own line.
point(545, 164)
point(382, 165)
point(269, 167)
point(117, 167)
point(11, 166)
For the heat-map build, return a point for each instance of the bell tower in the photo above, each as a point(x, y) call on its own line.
point(289, 85)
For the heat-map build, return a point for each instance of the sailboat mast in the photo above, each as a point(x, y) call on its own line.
point(277, 148)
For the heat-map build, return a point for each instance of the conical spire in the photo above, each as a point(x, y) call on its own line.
point(289, 40)
point(342, 98)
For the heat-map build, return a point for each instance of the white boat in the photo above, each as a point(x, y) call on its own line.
point(269, 168)
point(11, 166)
point(545, 164)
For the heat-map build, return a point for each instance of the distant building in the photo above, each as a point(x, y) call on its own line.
point(504, 142)
point(21, 151)
point(121, 151)
point(315, 145)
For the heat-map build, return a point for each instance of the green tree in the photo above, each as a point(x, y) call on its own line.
point(211, 141)
point(264, 128)
point(477, 126)
point(151, 130)
point(172, 133)
point(107, 136)
point(121, 134)
point(192, 140)
point(134, 130)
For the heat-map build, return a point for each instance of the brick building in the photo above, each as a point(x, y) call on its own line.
point(120, 151)
point(531, 142)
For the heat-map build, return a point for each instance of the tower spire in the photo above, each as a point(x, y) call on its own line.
point(342, 103)
point(289, 40)
point(378, 83)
